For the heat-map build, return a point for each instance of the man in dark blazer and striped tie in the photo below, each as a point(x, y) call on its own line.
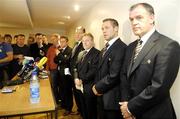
point(87, 68)
point(79, 32)
point(107, 84)
point(146, 80)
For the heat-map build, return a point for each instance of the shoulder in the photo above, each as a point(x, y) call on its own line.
point(96, 51)
point(119, 44)
point(14, 46)
point(165, 41)
point(69, 48)
point(7, 47)
point(33, 45)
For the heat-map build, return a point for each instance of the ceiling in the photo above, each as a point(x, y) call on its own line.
point(54, 14)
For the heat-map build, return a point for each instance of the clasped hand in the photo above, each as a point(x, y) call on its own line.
point(124, 110)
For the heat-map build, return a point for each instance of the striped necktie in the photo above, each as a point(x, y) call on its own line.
point(137, 49)
point(84, 55)
point(74, 49)
point(105, 49)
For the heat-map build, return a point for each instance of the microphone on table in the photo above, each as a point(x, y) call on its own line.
point(37, 67)
point(26, 65)
point(25, 73)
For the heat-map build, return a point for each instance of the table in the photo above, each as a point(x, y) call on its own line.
point(18, 102)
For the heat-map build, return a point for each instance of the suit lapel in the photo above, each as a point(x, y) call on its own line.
point(132, 48)
point(76, 49)
point(65, 50)
point(107, 53)
point(86, 58)
point(144, 51)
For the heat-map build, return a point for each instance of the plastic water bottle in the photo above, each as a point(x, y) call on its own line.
point(34, 88)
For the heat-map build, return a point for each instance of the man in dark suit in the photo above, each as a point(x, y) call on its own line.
point(148, 73)
point(87, 68)
point(37, 49)
point(107, 84)
point(73, 62)
point(65, 83)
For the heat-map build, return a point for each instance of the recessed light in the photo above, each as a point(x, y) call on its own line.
point(67, 17)
point(76, 7)
point(60, 22)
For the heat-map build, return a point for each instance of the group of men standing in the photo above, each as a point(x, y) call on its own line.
point(130, 82)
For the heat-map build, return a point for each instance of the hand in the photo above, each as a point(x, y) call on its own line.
point(41, 53)
point(95, 91)
point(124, 109)
point(20, 57)
point(78, 82)
point(57, 51)
point(131, 117)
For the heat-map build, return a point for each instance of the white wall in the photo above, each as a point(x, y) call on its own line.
point(27, 32)
point(167, 22)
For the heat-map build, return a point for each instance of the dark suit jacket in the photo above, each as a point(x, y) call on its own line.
point(74, 56)
point(63, 59)
point(146, 83)
point(35, 51)
point(87, 70)
point(108, 82)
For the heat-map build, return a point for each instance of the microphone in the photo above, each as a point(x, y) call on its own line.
point(27, 64)
point(18, 78)
point(38, 66)
point(28, 67)
point(37, 59)
point(25, 73)
point(41, 62)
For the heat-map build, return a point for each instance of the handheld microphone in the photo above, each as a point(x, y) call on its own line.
point(41, 62)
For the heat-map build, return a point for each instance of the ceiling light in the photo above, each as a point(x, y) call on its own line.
point(76, 7)
point(60, 22)
point(67, 17)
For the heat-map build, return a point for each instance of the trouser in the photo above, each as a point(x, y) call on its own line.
point(1, 77)
point(4, 76)
point(91, 107)
point(106, 114)
point(66, 91)
point(54, 82)
point(77, 98)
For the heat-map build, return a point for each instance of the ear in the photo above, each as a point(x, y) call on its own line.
point(152, 19)
point(116, 28)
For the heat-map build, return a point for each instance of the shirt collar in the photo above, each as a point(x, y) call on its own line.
point(64, 48)
point(78, 42)
point(88, 50)
point(112, 41)
point(147, 36)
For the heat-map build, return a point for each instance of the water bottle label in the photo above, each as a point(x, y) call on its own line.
point(34, 92)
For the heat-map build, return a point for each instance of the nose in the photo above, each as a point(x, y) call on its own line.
point(103, 31)
point(134, 22)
